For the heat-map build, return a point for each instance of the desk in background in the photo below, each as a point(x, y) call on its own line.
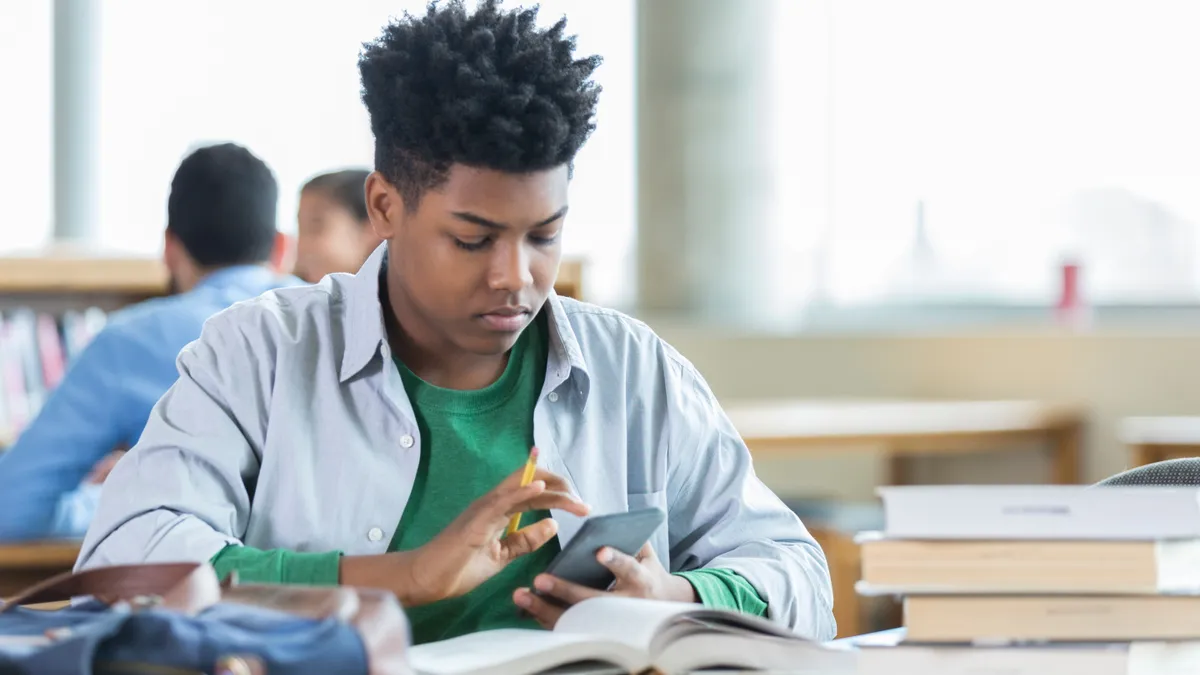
point(900, 430)
point(903, 429)
point(1157, 439)
point(23, 565)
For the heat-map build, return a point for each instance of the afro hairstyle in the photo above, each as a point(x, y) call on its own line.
point(488, 89)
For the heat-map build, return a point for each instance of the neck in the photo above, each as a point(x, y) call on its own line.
point(430, 355)
point(188, 277)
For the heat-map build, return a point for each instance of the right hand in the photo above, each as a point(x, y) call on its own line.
point(470, 550)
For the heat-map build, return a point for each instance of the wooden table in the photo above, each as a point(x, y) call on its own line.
point(1156, 439)
point(22, 565)
point(902, 429)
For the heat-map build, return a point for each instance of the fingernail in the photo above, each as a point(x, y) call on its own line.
point(543, 583)
point(523, 599)
point(606, 555)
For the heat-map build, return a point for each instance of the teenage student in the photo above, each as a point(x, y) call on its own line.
point(371, 430)
point(219, 246)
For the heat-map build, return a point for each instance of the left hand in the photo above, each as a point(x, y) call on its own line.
point(101, 469)
point(638, 576)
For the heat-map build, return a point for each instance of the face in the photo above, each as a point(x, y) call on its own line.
point(473, 264)
point(329, 238)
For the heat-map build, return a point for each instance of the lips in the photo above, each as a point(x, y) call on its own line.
point(505, 319)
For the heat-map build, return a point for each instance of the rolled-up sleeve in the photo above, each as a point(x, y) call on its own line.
point(723, 516)
point(181, 494)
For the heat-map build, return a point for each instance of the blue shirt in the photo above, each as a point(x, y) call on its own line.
point(103, 403)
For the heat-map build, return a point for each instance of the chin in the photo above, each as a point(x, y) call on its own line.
point(492, 344)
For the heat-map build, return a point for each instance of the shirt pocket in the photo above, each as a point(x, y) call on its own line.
point(660, 539)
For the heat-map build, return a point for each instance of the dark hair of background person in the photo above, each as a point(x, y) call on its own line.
point(223, 206)
point(344, 187)
point(488, 89)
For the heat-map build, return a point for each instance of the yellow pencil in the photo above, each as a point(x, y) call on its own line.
point(530, 467)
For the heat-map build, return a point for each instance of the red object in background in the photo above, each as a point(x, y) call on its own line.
point(1071, 308)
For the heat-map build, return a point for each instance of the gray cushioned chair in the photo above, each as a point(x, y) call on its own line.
point(1183, 471)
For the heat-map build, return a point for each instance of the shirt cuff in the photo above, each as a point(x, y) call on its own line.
point(75, 511)
point(278, 566)
point(719, 588)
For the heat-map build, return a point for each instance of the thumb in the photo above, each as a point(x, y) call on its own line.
point(646, 553)
point(529, 538)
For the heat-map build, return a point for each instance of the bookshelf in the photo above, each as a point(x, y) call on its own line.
point(65, 280)
point(78, 275)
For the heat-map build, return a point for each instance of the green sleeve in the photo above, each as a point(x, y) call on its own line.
point(725, 589)
point(278, 566)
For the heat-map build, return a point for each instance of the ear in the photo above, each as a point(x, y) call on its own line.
point(281, 254)
point(385, 207)
point(170, 250)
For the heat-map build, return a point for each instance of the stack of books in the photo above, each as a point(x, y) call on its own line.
point(1038, 579)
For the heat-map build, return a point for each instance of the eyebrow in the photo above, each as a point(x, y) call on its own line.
point(491, 224)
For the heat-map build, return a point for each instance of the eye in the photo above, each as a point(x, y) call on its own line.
point(543, 241)
point(472, 245)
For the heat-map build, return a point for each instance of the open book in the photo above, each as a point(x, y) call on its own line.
point(633, 636)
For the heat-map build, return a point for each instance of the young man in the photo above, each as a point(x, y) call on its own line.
point(371, 430)
point(220, 238)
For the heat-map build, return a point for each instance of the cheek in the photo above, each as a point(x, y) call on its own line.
point(544, 269)
point(440, 281)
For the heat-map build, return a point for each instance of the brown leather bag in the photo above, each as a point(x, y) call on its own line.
point(191, 587)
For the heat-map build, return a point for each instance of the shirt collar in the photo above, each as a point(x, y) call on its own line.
point(364, 333)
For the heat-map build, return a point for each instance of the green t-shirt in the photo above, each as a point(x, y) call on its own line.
point(470, 441)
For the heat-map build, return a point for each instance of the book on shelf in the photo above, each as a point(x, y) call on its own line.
point(1069, 566)
point(634, 636)
point(35, 351)
point(989, 512)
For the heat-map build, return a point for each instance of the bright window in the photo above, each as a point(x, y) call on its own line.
point(25, 134)
point(1018, 134)
point(281, 78)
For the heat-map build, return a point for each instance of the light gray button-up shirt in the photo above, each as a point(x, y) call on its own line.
point(289, 427)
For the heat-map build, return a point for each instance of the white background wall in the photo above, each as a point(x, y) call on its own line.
point(1113, 373)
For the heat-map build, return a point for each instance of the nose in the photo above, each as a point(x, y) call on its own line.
point(510, 269)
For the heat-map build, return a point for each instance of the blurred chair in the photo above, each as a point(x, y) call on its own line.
point(1182, 471)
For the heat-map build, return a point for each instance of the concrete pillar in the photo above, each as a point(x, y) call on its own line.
point(76, 120)
point(705, 160)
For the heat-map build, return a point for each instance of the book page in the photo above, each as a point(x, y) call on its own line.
point(648, 624)
point(517, 652)
point(632, 621)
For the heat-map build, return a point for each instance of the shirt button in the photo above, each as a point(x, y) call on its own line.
point(553, 397)
point(406, 441)
point(375, 534)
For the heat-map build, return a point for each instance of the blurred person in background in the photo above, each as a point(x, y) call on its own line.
point(335, 234)
point(221, 246)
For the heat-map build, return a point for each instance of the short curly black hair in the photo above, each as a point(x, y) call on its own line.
point(488, 89)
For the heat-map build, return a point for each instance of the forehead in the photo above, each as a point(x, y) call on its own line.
point(514, 198)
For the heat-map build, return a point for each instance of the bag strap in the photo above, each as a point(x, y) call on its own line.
point(185, 587)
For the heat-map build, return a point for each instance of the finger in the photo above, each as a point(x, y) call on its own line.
point(646, 553)
point(546, 613)
point(566, 591)
point(625, 568)
point(529, 538)
point(502, 502)
point(553, 481)
point(552, 500)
